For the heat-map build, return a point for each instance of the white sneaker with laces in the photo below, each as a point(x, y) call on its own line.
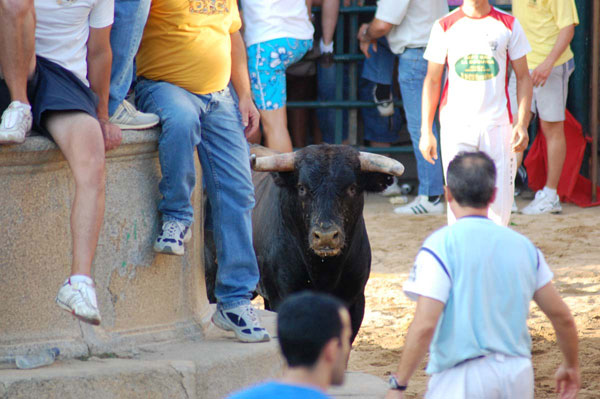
point(392, 189)
point(243, 321)
point(385, 107)
point(171, 238)
point(128, 118)
point(421, 206)
point(79, 299)
point(542, 204)
point(16, 123)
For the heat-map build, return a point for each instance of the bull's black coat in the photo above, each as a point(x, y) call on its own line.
point(326, 190)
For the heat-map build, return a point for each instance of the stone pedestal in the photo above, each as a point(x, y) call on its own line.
point(143, 297)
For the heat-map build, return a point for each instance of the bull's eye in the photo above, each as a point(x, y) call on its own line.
point(352, 190)
point(302, 191)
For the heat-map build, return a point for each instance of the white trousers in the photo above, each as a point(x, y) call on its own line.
point(495, 142)
point(492, 377)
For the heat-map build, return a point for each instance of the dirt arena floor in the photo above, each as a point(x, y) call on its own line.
point(571, 244)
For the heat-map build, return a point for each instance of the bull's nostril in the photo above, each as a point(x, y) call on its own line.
point(317, 236)
point(335, 235)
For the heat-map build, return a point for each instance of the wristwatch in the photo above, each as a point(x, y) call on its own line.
point(395, 385)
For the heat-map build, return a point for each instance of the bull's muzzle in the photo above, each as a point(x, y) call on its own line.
point(326, 240)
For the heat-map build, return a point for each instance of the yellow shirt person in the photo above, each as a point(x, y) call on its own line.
point(542, 20)
point(184, 44)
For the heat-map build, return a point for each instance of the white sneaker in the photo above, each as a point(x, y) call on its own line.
point(16, 123)
point(129, 118)
point(171, 238)
point(514, 208)
point(421, 206)
point(393, 189)
point(385, 106)
point(79, 299)
point(243, 321)
point(542, 204)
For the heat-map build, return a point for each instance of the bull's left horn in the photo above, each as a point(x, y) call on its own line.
point(378, 163)
point(273, 163)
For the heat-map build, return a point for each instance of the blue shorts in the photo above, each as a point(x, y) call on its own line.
point(267, 62)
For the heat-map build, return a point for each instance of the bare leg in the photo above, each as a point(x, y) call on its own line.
point(17, 45)
point(274, 124)
point(80, 139)
point(557, 148)
point(329, 17)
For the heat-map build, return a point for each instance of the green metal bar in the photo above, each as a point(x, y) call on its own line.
point(335, 104)
point(406, 149)
point(349, 57)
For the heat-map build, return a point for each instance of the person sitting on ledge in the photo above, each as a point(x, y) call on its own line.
point(62, 90)
point(314, 336)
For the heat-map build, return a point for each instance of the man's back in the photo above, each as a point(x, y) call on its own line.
point(276, 390)
point(487, 277)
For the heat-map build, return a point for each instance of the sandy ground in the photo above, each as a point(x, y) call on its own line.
point(570, 244)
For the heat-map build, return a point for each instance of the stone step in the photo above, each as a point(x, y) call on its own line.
point(208, 368)
point(360, 386)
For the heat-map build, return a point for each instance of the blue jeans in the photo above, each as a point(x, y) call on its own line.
point(211, 125)
point(379, 68)
point(412, 68)
point(125, 37)
point(326, 92)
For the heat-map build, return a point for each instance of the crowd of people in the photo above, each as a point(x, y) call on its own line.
point(210, 75)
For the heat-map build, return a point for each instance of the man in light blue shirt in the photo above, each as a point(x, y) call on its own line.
point(473, 283)
point(314, 335)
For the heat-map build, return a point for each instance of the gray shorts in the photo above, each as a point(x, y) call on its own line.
point(549, 101)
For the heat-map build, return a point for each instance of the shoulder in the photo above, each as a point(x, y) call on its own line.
point(449, 20)
point(505, 18)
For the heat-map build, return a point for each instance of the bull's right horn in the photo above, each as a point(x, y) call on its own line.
point(273, 163)
point(378, 163)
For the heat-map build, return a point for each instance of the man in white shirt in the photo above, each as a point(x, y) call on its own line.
point(407, 24)
point(474, 44)
point(473, 283)
point(55, 59)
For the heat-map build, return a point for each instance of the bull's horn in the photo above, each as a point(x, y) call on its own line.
point(378, 163)
point(274, 163)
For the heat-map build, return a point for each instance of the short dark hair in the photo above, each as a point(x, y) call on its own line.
point(306, 321)
point(471, 179)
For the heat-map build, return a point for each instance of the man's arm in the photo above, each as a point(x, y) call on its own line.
point(541, 73)
point(417, 341)
point(99, 59)
point(567, 377)
point(430, 101)
point(369, 33)
point(241, 84)
point(524, 94)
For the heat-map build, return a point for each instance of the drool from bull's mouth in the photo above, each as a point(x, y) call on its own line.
point(326, 252)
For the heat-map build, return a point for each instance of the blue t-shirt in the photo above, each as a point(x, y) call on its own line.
point(277, 390)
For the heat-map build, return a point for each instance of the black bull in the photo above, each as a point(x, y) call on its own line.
point(308, 225)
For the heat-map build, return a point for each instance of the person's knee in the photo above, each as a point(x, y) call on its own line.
point(16, 9)
point(89, 166)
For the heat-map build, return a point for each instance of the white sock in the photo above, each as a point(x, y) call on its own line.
point(550, 192)
point(80, 278)
point(325, 48)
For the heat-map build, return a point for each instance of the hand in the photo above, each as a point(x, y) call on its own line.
point(365, 41)
point(250, 117)
point(541, 73)
point(394, 394)
point(568, 381)
point(520, 138)
point(428, 146)
point(112, 134)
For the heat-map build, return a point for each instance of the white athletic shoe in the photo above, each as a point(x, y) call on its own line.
point(79, 299)
point(243, 321)
point(542, 204)
point(128, 118)
point(171, 238)
point(515, 208)
point(385, 106)
point(421, 206)
point(16, 123)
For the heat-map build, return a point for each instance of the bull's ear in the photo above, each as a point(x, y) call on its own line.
point(283, 179)
point(376, 182)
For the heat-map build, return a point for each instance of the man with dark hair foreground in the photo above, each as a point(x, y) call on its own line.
point(473, 283)
point(314, 336)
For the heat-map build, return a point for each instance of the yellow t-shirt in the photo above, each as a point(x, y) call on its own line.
point(541, 21)
point(187, 43)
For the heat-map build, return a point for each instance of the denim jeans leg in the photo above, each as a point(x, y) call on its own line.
point(326, 84)
point(125, 37)
point(379, 67)
point(224, 156)
point(412, 68)
point(179, 112)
